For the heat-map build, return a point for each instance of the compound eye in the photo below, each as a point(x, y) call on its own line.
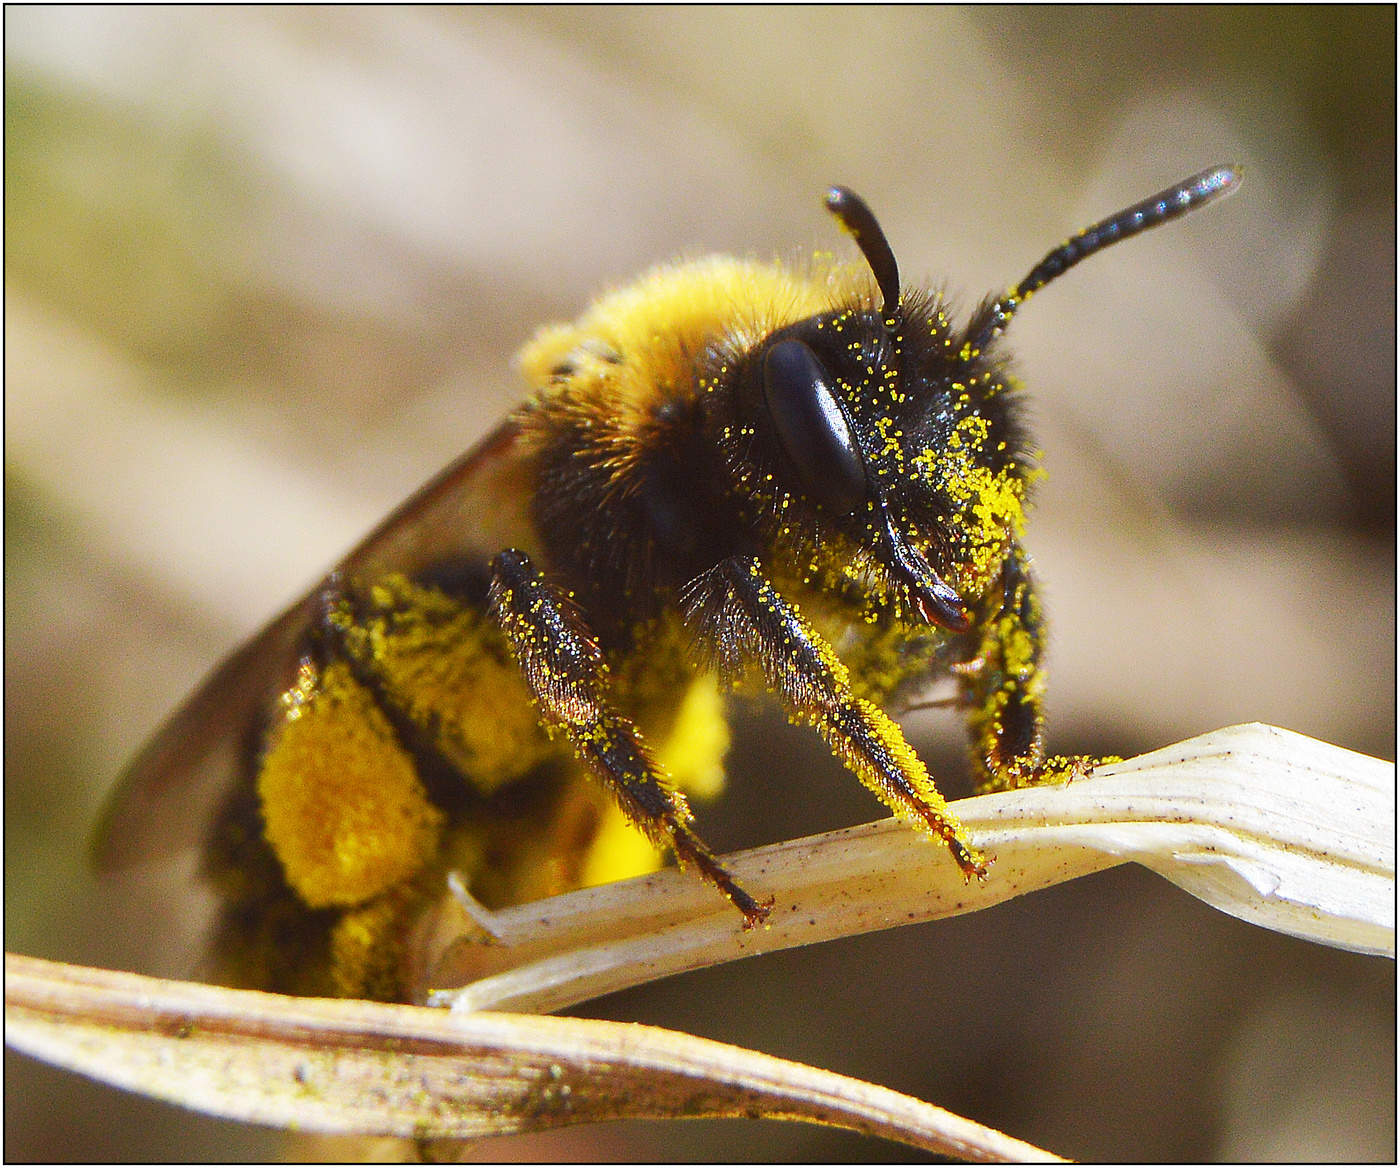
point(813, 429)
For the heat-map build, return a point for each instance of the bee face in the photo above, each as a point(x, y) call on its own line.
point(874, 445)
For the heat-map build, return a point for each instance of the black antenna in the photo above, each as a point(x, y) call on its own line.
point(858, 219)
point(1175, 201)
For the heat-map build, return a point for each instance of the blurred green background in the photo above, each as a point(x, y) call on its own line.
point(265, 272)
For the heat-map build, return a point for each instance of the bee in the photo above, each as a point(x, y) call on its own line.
point(727, 474)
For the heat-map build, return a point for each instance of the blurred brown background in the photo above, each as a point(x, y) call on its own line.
point(265, 271)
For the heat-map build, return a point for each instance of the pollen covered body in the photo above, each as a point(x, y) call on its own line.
point(807, 482)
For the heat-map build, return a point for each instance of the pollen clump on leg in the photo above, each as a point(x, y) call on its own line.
point(344, 809)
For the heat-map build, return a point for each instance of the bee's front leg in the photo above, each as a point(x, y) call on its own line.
point(739, 614)
point(565, 670)
point(1004, 689)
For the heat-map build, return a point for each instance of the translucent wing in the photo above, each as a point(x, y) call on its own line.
point(169, 794)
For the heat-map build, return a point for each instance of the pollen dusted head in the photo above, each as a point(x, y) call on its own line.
point(874, 448)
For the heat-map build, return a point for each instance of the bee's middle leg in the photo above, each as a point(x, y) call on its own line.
point(565, 670)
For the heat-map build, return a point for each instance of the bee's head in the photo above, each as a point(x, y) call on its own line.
point(877, 443)
point(872, 448)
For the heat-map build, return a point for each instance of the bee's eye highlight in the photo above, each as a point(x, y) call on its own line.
point(813, 429)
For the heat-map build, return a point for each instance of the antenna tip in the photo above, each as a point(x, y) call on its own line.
point(1217, 181)
point(837, 199)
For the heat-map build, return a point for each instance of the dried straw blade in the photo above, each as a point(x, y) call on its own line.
point(351, 1067)
point(1278, 829)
